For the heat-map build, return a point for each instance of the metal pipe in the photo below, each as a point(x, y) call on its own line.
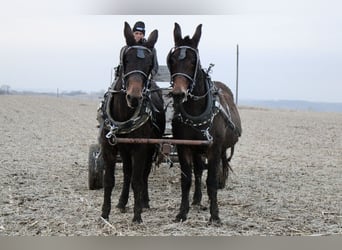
point(237, 75)
point(157, 141)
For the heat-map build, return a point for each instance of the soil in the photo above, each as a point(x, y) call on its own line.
point(287, 177)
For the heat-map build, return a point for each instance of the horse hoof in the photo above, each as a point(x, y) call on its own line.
point(122, 208)
point(104, 218)
point(215, 221)
point(180, 218)
point(199, 206)
point(202, 208)
point(137, 219)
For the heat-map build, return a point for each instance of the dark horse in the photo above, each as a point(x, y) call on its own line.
point(203, 109)
point(133, 108)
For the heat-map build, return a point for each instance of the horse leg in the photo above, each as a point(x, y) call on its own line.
point(186, 174)
point(198, 170)
point(109, 159)
point(147, 170)
point(223, 170)
point(138, 184)
point(127, 172)
point(212, 185)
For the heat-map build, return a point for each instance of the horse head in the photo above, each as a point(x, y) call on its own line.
point(137, 61)
point(183, 62)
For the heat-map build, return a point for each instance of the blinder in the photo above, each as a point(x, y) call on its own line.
point(140, 53)
point(182, 56)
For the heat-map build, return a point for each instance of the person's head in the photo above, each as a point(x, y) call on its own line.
point(139, 31)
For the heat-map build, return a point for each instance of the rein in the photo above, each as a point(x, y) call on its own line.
point(196, 98)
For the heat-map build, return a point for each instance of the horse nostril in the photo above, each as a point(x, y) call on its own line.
point(133, 101)
point(178, 95)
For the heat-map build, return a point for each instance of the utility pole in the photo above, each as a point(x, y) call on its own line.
point(237, 74)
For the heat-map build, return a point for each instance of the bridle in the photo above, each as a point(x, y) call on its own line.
point(145, 109)
point(182, 56)
point(140, 54)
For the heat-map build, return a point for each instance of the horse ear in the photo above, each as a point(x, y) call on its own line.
point(177, 34)
point(129, 35)
point(197, 35)
point(152, 39)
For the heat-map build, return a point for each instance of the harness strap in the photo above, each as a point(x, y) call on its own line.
point(206, 117)
point(139, 118)
point(213, 108)
point(142, 114)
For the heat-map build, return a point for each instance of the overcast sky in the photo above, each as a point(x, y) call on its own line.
point(287, 50)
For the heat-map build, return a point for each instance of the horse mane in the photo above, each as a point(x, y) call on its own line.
point(186, 41)
point(225, 88)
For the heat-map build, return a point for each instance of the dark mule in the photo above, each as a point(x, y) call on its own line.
point(133, 108)
point(202, 110)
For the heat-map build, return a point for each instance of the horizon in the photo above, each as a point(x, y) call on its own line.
point(286, 105)
point(50, 91)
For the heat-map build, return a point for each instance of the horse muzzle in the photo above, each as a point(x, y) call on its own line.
point(134, 93)
point(133, 101)
point(179, 97)
point(180, 89)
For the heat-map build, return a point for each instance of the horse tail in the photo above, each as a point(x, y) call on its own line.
point(224, 171)
point(231, 153)
point(230, 157)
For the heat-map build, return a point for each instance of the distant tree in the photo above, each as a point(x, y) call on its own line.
point(74, 93)
point(5, 89)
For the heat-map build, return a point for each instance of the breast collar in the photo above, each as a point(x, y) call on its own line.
point(208, 114)
point(213, 107)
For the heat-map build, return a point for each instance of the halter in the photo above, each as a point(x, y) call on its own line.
point(140, 54)
point(182, 56)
